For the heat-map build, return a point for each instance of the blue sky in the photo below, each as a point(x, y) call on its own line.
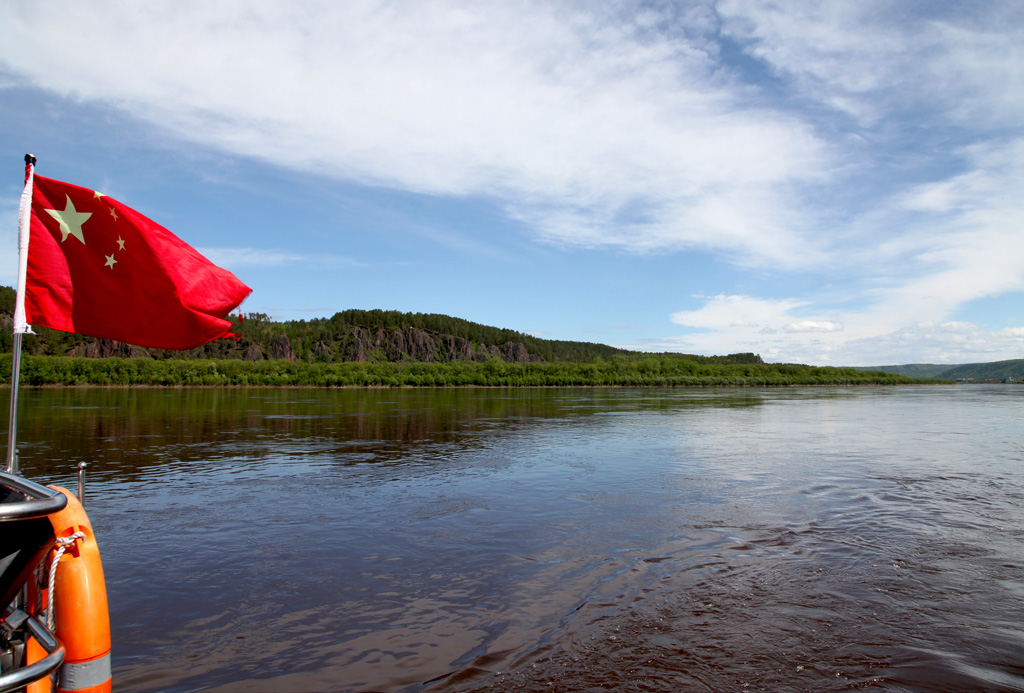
point(836, 183)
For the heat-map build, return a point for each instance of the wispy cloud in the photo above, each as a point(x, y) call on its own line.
point(258, 257)
point(927, 342)
point(598, 131)
point(875, 58)
point(915, 83)
point(948, 342)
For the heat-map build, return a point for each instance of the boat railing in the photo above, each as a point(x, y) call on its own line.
point(40, 501)
point(22, 502)
point(18, 620)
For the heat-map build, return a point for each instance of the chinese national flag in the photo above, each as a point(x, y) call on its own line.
point(98, 268)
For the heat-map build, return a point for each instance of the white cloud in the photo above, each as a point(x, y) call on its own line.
point(813, 326)
point(743, 312)
point(776, 329)
point(929, 342)
point(597, 127)
point(948, 342)
point(954, 70)
point(730, 323)
point(873, 57)
point(599, 131)
point(966, 244)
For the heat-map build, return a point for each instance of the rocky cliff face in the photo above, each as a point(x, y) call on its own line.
point(351, 344)
point(380, 344)
point(411, 344)
point(106, 348)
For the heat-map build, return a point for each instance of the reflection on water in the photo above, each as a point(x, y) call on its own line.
point(405, 540)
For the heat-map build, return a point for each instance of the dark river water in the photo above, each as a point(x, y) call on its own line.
point(551, 540)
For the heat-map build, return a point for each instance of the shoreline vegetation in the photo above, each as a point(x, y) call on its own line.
point(377, 348)
point(641, 371)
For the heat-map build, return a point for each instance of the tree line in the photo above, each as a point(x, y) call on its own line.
point(643, 371)
point(377, 348)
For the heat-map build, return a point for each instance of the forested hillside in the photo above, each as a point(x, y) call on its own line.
point(912, 370)
point(368, 336)
point(993, 370)
point(996, 370)
point(377, 348)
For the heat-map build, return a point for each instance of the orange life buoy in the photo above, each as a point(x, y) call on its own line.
point(34, 652)
point(82, 621)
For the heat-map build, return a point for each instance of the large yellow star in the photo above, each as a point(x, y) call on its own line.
point(70, 220)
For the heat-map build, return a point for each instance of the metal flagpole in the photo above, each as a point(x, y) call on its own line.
point(20, 326)
point(12, 422)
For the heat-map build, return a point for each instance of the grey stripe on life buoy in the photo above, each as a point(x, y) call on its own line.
point(75, 677)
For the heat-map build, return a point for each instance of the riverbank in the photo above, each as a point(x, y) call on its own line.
point(41, 371)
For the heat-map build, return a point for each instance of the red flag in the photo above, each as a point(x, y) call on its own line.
point(99, 268)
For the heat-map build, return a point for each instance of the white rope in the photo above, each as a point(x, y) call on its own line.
point(63, 543)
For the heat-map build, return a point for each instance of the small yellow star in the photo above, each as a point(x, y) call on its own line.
point(70, 220)
point(113, 213)
point(110, 261)
point(120, 243)
point(96, 194)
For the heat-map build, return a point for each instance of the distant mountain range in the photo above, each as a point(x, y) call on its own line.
point(995, 370)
